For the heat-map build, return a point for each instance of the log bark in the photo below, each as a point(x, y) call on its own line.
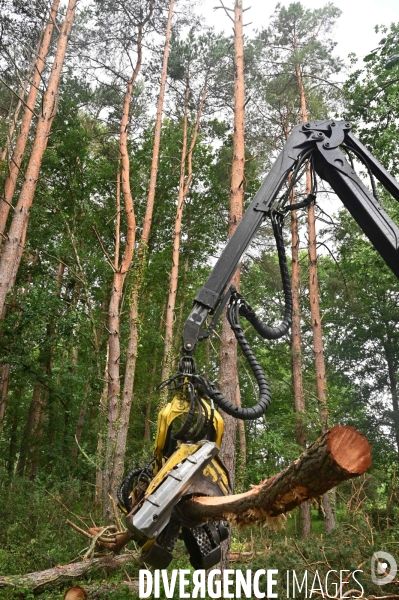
point(340, 454)
point(64, 574)
point(102, 590)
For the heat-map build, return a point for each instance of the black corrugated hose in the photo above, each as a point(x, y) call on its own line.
point(210, 390)
point(274, 333)
point(238, 306)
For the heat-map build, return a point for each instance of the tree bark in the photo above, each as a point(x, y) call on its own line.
point(62, 574)
point(320, 368)
point(340, 454)
point(22, 138)
point(296, 361)
point(13, 247)
point(99, 489)
point(228, 373)
point(296, 353)
point(34, 448)
point(113, 468)
point(157, 134)
point(321, 380)
point(184, 187)
point(141, 254)
point(31, 425)
point(393, 384)
point(5, 379)
point(12, 448)
point(242, 442)
point(174, 274)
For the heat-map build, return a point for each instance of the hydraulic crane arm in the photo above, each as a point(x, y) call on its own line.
point(190, 430)
point(322, 143)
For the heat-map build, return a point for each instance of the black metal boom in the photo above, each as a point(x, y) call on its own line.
point(321, 140)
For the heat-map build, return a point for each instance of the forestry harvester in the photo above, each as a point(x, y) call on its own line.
point(186, 460)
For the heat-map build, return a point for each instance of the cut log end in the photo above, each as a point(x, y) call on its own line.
point(349, 449)
point(75, 593)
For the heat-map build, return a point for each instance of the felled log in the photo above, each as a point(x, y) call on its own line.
point(340, 454)
point(64, 574)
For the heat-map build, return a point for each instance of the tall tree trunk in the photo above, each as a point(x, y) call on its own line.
point(131, 357)
point(4, 382)
point(320, 368)
point(393, 383)
point(296, 360)
point(113, 469)
point(134, 333)
point(13, 247)
point(157, 136)
point(38, 64)
point(147, 422)
point(12, 448)
point(228, 373)
point(99, 489)
point(31, 424)
point(174, 274)
point(37, 435)
point(242, 442)
point(184, 187)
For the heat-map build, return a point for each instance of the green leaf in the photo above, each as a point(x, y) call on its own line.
point(370, 56)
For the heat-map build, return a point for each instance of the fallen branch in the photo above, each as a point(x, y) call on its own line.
point(340, 454)
point(63, 574)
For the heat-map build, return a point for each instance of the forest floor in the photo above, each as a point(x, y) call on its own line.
point(34, 536)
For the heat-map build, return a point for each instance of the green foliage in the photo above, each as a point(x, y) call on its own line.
point(34, 534)
point(372, 98)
